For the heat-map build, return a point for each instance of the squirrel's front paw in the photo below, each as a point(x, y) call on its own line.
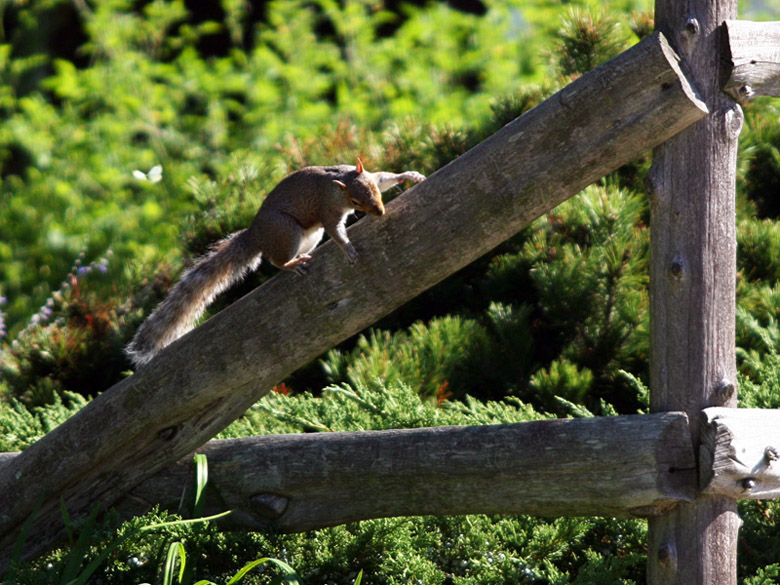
point(352, 255)
point(413, 176)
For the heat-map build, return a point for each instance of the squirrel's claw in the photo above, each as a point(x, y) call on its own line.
point(351, 253)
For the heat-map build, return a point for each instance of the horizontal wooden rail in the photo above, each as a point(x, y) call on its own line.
point(751, 58)
point(199, 384)
point(607, 466)
point(740, 453)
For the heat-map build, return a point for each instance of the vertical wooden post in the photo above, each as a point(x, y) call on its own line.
point(693, 290)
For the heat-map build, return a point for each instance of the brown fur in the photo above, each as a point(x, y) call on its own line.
point(288, 226)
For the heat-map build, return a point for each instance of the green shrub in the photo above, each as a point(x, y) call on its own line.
point(21, 426)
point(587, 39)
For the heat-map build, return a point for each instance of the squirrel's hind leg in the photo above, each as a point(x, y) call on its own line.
point(289, 243)
point(299, 264)
point(308, 242)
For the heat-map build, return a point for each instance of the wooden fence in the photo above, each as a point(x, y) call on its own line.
point(130, 444)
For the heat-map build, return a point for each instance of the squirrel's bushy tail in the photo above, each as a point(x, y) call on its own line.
point(227, 262)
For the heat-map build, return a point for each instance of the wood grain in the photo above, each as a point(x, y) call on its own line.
point(692, 187)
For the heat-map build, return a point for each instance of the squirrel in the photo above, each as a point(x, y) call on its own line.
point(288, 226)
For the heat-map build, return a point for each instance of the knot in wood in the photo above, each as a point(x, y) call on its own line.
point(733, 118)
point(689, 35)
point(665, 554)
point(270, 506)
point(748, 483)
point(692, 26)
point(771, 454)
point(676, 267)
point(168, 433)
point(724, 392)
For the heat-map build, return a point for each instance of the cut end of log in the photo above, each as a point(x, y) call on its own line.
point(678, 66)
point(740, 452)
point(750, 59)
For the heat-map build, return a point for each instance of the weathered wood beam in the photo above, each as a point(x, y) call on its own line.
point(205, 380)
point(610, 466)
point(740, 452)
point(751, 58)
point(693, 245)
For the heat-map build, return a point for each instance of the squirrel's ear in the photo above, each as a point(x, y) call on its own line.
point(340, 184)
point(359, 166)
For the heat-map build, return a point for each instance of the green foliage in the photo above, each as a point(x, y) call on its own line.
point(425, 357)
point(384, 405)
point(759, 536)
point(587, 39)
point(21, 426)
point(463, 550)
point(584, 266)
point(760, 154)
point(765, 576)
point(74, 342)
point(759, 249)
point(562, 379)
point(227, 204)
point(149, 97)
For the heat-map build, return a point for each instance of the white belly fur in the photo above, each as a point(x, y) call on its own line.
point(310, 239)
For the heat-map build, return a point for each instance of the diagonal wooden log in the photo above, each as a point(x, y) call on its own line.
point(625, 466)
point(750, 63)
point(198, 385)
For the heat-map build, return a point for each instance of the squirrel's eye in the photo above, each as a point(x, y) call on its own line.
point(355, 202)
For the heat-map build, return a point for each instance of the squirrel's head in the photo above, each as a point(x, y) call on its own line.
point(362, 192)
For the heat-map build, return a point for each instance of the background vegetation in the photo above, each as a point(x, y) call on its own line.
point(230, 96)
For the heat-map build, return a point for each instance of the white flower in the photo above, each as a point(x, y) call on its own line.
point(154, 175)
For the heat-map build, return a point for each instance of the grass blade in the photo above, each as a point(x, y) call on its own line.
point(16, 555)
point(66, 520)
point(290, 574)
point(97, 561)
point(79, 550)
point(201, 479)
point(169, 569)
